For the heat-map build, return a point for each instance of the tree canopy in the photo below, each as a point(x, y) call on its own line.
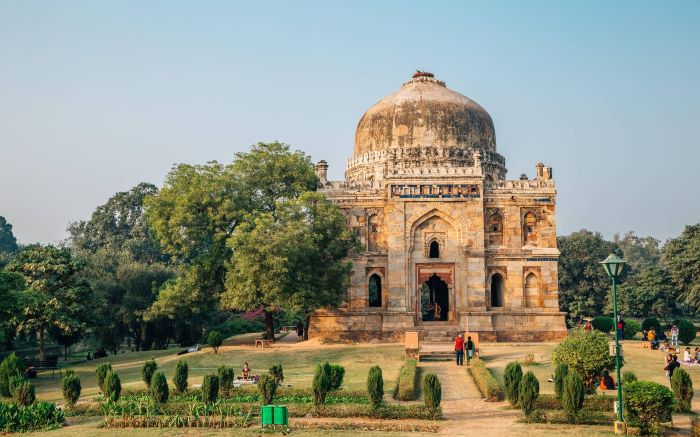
point(681, 256)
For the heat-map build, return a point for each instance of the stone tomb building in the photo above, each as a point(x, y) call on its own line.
point(448, 242)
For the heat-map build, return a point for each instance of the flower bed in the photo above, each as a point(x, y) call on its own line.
point(485, 381)
point(405, 389)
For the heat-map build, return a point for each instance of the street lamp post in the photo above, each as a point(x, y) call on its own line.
point(613, 266)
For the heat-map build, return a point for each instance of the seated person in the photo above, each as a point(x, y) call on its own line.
point(664, 346)
point(607, 382)
point(245, 371)
point(696, 356)
point(687, 357)
point(651, 335)
point(30, 372)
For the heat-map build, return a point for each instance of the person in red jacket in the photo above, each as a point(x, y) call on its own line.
point(459, 350)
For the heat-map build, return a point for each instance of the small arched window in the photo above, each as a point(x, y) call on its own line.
point(372, 232)
point(497, 290)
point(374, 288)
point(434, 251)
point(530, 228)
point(495, 230)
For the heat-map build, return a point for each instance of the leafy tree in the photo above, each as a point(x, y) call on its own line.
point(215, 340)
point(294, 259)
point(639, 252)
point(586, 353)
point(583, 284)
point(8, 242)
point(647, 292)
point(66, 337)
point(11, 367)
point(681, 256)
point(57, 294)
point(11, 284)
point(126, 267)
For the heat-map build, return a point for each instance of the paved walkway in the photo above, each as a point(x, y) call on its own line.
point(463, 406)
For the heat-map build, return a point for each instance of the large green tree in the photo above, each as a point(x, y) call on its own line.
point(200, 206)
point(8, 242)
point(639, 252)
point(681, 257)
point(293, 259)
point(647, 292)
point(126, 267)
point(583, 284)
point(57, 294)
point(11, 283)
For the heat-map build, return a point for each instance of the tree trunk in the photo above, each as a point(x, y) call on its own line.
point(42, 356)
point(269, 326)
point(306, 328)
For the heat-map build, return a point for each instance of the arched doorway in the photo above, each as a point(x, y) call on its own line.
point(496, 290)
point(435, 300)
point(374, 291)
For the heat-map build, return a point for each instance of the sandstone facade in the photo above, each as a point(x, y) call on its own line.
point(442, 227)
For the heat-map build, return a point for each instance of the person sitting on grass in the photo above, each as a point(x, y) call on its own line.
point(664, 346)
point(651, 336)
point(245, 371)
point(696, 355)
point(607, 382)
point(687, 357)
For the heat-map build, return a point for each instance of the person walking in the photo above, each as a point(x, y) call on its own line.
point(470, 349)
point(620, 328)
point(459, 350)
point(674, 336)
point(671, 367)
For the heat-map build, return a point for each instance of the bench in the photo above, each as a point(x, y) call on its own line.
point(48, 365)
point(263, 343)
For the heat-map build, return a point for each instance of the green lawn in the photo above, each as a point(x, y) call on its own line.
point(298, 364)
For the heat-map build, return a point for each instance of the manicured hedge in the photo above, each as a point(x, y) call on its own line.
point(485, 381)
point(406, 383)
point(601, 403)
point(250, 394)
point(603, 323)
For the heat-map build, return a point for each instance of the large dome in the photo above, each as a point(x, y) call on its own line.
point(425, 113)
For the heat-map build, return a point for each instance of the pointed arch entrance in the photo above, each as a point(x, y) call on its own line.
point(435, 298)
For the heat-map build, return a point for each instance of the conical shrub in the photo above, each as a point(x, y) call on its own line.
point(529, 391)
point(267, 386)
point(147, 371)
point(572, 394)
point(112, 386)
point(210, 388)
point(560, 373)
point(682, 387)
point(180, 377)
point(321, 383)
point(432, 391)
point(70, 386)
point(375, 386)
point(226, 378)
point(512, 376)
point(101, 374)
point(159, 388)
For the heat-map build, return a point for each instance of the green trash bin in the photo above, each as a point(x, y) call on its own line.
point(267, 415)
point(280, 415)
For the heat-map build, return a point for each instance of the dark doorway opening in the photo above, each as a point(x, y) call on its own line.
point(435, 300)
point(497, 290)
point(375, 290)
point(434, 250)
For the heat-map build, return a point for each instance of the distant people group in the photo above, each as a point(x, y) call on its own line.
point(463, 348)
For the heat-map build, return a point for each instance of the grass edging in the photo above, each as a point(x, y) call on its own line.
point(406, 383)
point(487, 384)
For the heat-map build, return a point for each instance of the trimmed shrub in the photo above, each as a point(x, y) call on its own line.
point(267, 386)
point(159, 388)
point(603, 323)
point(101, 374)
point(180, 377)
point(512, 376)
point(586, 353)
point(529, 392)
point(375, 386)
point(70, 386)
point(682, 387)
point(321, 383)
point(485, 381)
point(147, 371)
point(651, 322)
point(648, 404)
point(337, 376)
point(215, 340)
point(23, 393)
point(226, 378)
point(406, 382)
point(112, 386)
point(277, 373)
point(628, 376)
point(210, 388)
point(686, 331)
point(573, 394)
point(432, 391)
point(15, 382)
point(560, 373)
point(632, 327)
point(10, 366)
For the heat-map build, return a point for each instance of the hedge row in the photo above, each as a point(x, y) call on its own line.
point(485, 381)
point(406, 383)
point(600, 403)
point(583, 417)
point(178, 421)
point(284, 395)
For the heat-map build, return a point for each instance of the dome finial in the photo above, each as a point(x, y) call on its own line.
point(419, 73)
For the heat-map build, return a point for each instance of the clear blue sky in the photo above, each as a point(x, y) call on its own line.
point(97, 96)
